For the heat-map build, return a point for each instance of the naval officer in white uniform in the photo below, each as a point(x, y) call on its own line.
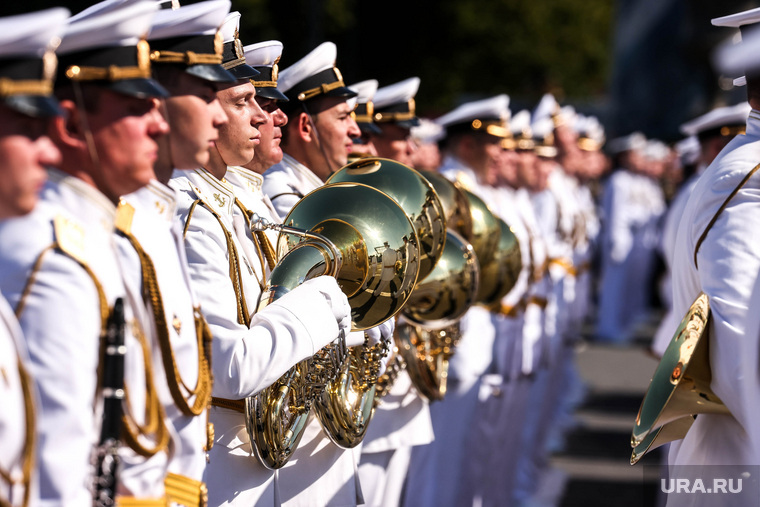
point(402, 417)
point(25, 150)
point(716, 253)
point(150, 239)
point(108, 143)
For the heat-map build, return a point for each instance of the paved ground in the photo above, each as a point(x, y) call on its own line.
point(593, 469)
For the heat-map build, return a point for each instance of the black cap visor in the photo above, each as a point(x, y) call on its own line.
point(243, 71)
point(36, 106)
point(211, 72)
point(270, 92)
point(139, 87)
point(369, 128)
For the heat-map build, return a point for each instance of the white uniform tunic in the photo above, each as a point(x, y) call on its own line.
point(728, 262)
point(14, 417)
point(437, 470)
point(154, 227)
point(319, 471)
point(670, 321)
point(633, 204)
point(245, 359)
point(61, 320)
point(285, 184)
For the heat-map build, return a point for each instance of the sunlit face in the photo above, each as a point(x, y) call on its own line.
point(527, 172)
point(508, 168)
point(124, 132)
point(25, 151)
point(364, 145)
point(195, 116)
point(269, 152)
point(427, 157)
point(488, 155)
point(240, 136)
point(394, 143)
point(335, 129)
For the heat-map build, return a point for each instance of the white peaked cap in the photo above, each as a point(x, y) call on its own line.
point(546, 108)
point(397, 93)
point(656, 150)
point(542, 127)
point(739, 19)
point(365, 92)
point(689, 150)
point(427, 131)
point(263, 54)
point(321, 58)
point(569, 116)
point(520, 123)
point(494, 108)
point(230, 26)
point(124, 25)
point(101, 8)
point(635, 141)
point(732, 58)
point(718, 117)
point(32, 34)
point(203, 18)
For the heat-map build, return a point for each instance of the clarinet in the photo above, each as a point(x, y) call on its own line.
point(106, 455)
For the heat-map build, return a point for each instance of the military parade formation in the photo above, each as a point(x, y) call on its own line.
point(226, 283)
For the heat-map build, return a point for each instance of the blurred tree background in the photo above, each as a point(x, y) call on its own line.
point(638, 64)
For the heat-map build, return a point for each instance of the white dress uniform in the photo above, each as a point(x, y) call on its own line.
point(670, 321)
point(436, 470)
point(318, 471)
point(632, 204)
point(245, 358)
point(724, 265)
point(62, 313)
point(148, 216)
point(287, 182)
point(499, 416)
point(17, 419)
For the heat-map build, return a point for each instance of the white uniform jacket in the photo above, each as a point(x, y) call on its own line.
point(319, 472)
point(148, 215)
point(61, 317)
point(287, 182)
point(726, 267)
point(245, 358)
point(18, 397)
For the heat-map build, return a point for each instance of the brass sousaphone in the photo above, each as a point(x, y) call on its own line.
point(348, 231)
point(680, 386)
point(346, 406)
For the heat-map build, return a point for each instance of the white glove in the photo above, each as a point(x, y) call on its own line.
point(328, 287)
point(375, 334)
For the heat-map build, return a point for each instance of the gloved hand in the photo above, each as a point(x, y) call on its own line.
point(328, 288)
point(375, 334)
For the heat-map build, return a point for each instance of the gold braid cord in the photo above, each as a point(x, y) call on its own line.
point(152, 293)
point(154, 427)
point(263, 246)
point(27, 465)
point(232, 255)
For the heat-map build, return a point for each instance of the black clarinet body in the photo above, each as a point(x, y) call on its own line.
point(106, 455)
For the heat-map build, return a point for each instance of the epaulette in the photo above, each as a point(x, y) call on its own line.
point(69, 236)
point(125, 213)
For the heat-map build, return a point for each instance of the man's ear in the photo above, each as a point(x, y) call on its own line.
point(305, 127)
point(67, 128)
